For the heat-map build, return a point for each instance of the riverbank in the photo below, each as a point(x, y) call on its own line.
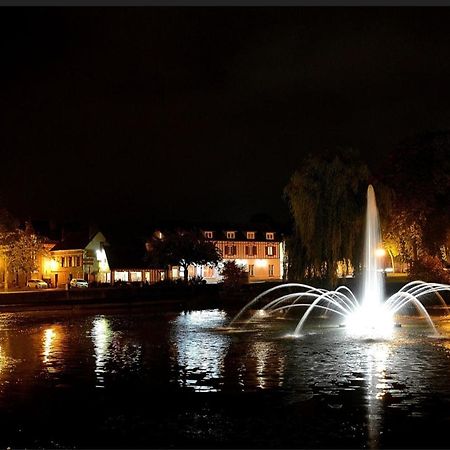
point(179, 295)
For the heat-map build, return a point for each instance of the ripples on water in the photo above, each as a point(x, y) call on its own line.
point(188, 351)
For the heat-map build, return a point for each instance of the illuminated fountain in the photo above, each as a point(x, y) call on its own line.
point(370, 317)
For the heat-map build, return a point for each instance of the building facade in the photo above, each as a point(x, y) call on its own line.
point(260, 253)
point(76, 257)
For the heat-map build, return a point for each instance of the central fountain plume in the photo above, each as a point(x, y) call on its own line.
point(372, 317)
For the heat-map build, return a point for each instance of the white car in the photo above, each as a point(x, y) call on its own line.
point(78, 283)
point(37, 284)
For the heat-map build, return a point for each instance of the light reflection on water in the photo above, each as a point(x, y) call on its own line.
point(101, 337)
point(200, 350)
point(188, 350)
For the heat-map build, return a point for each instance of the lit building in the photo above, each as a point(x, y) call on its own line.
point(260, 253)
point(79, 257)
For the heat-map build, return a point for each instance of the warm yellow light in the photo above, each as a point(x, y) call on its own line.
point(50, 265)
point(380, 252)
point(261, 263)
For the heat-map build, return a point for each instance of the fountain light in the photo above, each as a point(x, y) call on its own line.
point(375, 322)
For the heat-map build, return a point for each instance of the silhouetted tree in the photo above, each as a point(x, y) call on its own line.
point(183, 248)
point(327, 200)
point(233, 274)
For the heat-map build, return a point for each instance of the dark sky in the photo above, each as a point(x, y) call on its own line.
point(204, 113)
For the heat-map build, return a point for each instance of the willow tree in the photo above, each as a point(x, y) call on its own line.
point(327, 201)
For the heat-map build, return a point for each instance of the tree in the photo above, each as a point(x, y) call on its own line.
point(183, 248)
point(418, 171)
point(327, 200)
point(233, 274)
point(22, 249)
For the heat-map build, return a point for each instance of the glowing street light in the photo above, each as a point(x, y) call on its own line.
point(380, 252)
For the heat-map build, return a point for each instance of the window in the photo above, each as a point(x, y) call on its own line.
point(230, 250)
point(231, 234)
point(250, 250)
point(270, 270)
point(269, 236)
point(250, 235)
point(78, 261)
point(271, 251)
point(63, 260)
point(251, 270)
point(208, 234)
point(135, 276)
point(69, 261)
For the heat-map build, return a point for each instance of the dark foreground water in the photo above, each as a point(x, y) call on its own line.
point(142, 378)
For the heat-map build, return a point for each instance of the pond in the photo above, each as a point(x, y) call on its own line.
point(146, 377)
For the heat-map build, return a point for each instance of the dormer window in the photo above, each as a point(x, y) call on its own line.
point(208, 234)
point(231, 234)
point(269, 236)
point(250, 235)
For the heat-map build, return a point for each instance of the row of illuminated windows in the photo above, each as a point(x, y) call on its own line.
point(232, 235)
point(251, 270)
point(70, 261)
point(250, 250)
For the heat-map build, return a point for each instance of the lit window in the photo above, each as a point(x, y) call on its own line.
point(231, 234)
point(270, 251)
point(208, 234)
point(250, 235)
point(269, 236)
point(270, 270)
point(251, 270)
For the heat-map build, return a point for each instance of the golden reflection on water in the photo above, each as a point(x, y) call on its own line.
point(52, 347)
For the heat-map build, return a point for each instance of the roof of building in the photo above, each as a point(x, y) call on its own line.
point(73, 241)
point(241, 235)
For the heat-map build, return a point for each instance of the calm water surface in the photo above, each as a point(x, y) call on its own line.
point(145, 378)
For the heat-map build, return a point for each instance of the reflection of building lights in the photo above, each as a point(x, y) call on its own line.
point(49, 336)
point(101, 337)
point(198, 350)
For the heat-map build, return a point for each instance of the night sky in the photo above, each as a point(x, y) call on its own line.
point(112, 114)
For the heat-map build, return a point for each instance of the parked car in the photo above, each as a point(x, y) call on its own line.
point(78, 283)
point(37, 284)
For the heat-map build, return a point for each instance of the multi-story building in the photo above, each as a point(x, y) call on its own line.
point(77, 256)
point(260, 253)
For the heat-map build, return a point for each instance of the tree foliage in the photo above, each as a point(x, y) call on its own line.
point(20, 249)
point(183, 248)
point(233, 274)
point(326, 197)
point(418, 171)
